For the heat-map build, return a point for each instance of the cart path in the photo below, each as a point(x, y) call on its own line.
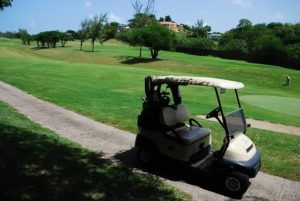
point(111, 141)
point(293, 130)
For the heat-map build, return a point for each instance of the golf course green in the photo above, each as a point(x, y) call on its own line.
point(279, 104)
point(108, 85)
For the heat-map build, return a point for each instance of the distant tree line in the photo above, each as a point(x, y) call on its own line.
point(49, 39)
point(273, 43)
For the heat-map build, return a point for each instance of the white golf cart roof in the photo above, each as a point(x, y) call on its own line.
point(204, 81)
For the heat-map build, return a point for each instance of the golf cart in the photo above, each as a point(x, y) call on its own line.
point(165, 129)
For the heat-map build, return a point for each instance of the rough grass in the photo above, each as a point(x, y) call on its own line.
point(36, 164)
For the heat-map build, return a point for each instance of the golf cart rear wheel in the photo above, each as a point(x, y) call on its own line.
point(146, 155)
point(236, 183)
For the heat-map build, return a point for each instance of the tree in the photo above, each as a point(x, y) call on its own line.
point(24, 36)
point(110, 30)
point(142, 18)
point(244, 23)
point(5, 3)
point(83, 32)
point(161, 19)
point(64, 38)
point(154, 36)
point(199, 30)
point(72, 33)
point(95, 27)
point(48, 37)
point(268, 46)
point(168, 18)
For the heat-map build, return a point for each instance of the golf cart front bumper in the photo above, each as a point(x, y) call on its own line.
point(250, 167)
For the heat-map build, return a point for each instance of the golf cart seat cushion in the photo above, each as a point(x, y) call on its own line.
point(171, 116)
point(190, 134)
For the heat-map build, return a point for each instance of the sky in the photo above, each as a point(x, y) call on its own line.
point(221, 15)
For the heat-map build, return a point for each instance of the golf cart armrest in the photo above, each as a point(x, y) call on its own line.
point(192, 121)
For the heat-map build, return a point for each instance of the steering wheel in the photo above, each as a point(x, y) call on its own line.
point(213, 113)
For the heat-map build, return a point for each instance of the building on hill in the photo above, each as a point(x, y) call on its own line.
point(214, 36)
point(123, 27)
point(172, 26)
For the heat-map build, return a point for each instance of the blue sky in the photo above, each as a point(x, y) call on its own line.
point(221, 15)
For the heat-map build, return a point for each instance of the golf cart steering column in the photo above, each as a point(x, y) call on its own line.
point(215, 113)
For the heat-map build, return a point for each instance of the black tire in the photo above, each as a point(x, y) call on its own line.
point(236, 183)
point(147, 155)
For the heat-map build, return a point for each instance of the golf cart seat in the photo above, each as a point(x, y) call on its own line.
point(174, 119)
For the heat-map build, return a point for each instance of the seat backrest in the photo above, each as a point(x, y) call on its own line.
point(182, 114)
point(171, 116)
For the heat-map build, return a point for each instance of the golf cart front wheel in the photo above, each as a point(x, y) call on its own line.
point(236, 183)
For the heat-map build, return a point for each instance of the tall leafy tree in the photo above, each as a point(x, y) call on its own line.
point(24, 36)
point(64, 38)
point(168, 18)
point(244, 23)
point(142, 16)
point(110, 30)
point(154, 36)
point(96, 25)
point(83, 32)
point(199, 30)
point(5, 3)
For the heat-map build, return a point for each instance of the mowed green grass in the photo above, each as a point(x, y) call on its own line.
point(283, 105)
point(36, 164)
point(259, 79)
point(108, 85)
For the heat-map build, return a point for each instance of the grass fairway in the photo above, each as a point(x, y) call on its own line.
point(279, 104)
point(36, 164)
point(107, 85)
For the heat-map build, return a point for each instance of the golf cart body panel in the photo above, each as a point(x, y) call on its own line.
point(170, 147)
point(241, 148)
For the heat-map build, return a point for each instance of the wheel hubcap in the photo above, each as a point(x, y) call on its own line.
point(145, 156)
point(233, 184)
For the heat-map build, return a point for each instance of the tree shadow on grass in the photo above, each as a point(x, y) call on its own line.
point(175, 171)
point(135, 60)
point(89, 51)
point(46, 47)
point(34, 166)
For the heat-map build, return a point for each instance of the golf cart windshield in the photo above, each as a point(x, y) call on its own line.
point(236, 122)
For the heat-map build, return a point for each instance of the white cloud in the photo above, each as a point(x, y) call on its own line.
point(114, 18)
point(88, 3)
point(242, 3)
point(33, 23)
point(276, 16)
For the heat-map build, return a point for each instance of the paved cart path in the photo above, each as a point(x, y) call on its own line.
point(112, 141)
point(293, 130)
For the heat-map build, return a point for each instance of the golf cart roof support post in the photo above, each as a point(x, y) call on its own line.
point(237, 97)
point(226, 143)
